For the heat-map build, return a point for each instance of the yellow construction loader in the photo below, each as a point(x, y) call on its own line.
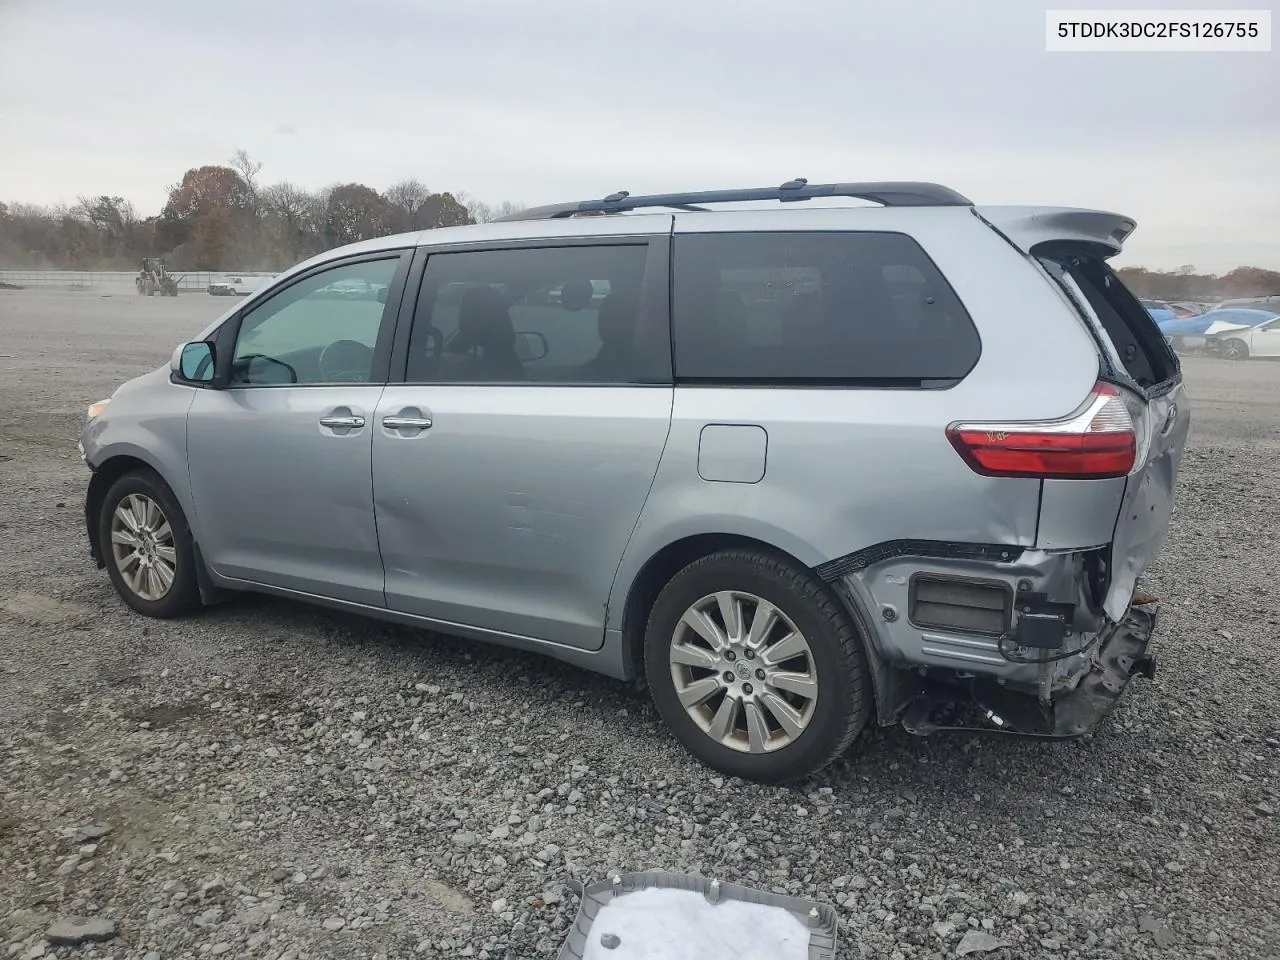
point(154, 278)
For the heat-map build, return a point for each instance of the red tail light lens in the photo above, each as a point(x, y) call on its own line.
point(1096, 442)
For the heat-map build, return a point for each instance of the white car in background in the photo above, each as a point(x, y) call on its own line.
point(1239, 337)
point(236, 285)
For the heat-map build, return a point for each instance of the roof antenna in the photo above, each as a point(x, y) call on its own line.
point(617, 197)
point(795, 184)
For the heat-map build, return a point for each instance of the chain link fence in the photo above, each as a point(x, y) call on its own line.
point(111, 281)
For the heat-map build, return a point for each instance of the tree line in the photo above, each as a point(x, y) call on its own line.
point(221, 217)
point(1187, 284)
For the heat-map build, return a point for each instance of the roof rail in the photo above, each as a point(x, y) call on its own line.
point(906, 194)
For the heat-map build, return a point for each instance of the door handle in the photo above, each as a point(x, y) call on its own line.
point(406, 423)
point(342, 421)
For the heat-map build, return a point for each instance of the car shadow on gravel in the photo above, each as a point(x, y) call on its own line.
point(412, 651)
point(902, 767)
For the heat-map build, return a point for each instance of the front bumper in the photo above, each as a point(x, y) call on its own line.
point(987, 707)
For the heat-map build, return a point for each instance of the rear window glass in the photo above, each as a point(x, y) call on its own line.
point(813, 307)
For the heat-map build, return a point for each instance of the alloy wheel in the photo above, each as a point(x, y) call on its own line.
point(743, 672)
point(142, 547)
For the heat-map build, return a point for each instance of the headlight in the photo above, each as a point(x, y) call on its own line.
point(96, 409)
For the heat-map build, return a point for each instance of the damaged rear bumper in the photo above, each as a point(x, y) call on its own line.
point(993, 708)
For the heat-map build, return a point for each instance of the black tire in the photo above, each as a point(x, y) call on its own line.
point(183, 595)
point(1235, 350)
point(839, 665)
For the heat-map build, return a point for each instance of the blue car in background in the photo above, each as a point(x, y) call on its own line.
point(1159, 310)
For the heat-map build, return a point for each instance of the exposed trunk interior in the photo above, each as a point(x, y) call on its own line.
point(1135, 338)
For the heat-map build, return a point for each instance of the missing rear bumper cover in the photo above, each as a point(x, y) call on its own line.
point(990, 708)
point(962, 604)
point(1043, 624)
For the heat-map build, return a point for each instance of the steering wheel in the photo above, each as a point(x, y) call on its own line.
point(268, 370)
point(345, 361)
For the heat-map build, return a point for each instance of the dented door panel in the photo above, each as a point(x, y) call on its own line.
point(510, 512)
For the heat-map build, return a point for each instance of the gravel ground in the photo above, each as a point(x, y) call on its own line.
point(272, 780)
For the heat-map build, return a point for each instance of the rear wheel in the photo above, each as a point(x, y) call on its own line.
point(756, 667)
point(147, 546)
point(1235, 350)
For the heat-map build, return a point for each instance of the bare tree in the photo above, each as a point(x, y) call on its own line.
point(248, 168)
point(483, 212)
point(480, 211)
point(507, 208)
point(295, 217)
point(287, 200)
point(113, 224)
point(406, 199)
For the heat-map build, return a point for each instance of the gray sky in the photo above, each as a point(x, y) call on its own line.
point(563, 99)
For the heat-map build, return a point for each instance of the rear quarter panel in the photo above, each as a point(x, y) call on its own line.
point(848, 468)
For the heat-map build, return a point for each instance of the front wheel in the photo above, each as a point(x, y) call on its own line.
point(1235, 350)
point(756, 666)
point(147, 546)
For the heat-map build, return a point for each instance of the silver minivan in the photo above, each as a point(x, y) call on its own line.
point(795, 467)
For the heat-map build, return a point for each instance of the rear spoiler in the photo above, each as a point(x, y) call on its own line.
point(1028, 227)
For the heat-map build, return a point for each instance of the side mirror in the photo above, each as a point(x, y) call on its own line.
point(381, 295)
point(193, 363)
point(530, 345)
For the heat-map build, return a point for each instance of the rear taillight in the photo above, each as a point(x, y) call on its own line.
point(1096, 442)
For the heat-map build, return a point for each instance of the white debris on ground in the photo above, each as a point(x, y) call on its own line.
point(658, 924)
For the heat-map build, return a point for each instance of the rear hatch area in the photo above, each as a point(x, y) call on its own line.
point(1127, 518)
point(1135, 357)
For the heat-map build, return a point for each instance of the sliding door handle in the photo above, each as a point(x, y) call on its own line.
point(406, 423)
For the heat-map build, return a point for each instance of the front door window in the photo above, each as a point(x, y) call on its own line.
point(323, 329)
